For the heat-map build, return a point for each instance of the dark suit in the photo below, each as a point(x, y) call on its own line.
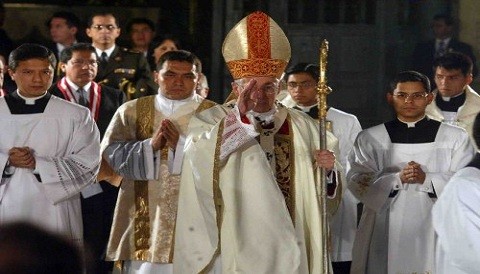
point(424, 55)
point(128, 71)
point(53, 47)
point(111, 99)
point(97, 210)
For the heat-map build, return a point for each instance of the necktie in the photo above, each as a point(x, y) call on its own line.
point(82, 100)
point(441, 49)
point(103, 60)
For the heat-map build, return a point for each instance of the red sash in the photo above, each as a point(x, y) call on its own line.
point(95, 96)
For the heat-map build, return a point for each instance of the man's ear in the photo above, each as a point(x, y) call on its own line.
point(74, 30)
point(88, 32)
point(430, 97)
point(63, 67)
point(12, 74)
point(389, 98)
point(469, 78)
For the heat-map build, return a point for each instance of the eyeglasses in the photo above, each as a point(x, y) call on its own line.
point(417, 96)
point(107, 27)
point(306, 84)
point(269, 88)
point(81, 62)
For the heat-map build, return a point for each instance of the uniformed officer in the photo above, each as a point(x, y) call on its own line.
point(119, 67)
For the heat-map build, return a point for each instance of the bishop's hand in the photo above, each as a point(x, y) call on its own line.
point(325, 159)
point(245, 102)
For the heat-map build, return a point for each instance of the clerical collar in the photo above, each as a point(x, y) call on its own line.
point(30, 100)
point(304, 108)
point(451, 103)
point(107, 51)
point(446, 98)
point(411, 124)
point(424, 131)
point(17, 103)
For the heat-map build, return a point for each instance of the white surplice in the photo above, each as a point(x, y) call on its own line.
point(456, 220)
point(65, 141)
point(343, 226)
point(395, 235)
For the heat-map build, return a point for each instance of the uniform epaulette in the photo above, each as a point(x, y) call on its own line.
point(129, 50)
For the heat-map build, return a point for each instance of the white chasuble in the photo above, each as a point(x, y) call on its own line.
point(395, 234)
point(234, 209)
point(65, 141)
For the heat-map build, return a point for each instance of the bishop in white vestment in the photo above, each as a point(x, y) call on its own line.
point(248, 201)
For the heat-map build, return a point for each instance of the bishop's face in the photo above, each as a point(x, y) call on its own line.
point(33, 77)
point(264, 93)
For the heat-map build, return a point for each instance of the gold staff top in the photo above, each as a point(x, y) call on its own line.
point(322, 88)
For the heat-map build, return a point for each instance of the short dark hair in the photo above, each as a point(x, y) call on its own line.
point(476, 130)
point(29, 51)
point(454, 60)
point(71, 19)
point(309, 68)
point(140, 20)
point(67, 53)
point(104, 13)
point(445, 17)
point(176, 55)
point(409, 76)
point(26, 248)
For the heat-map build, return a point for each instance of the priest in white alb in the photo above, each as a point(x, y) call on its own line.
point(49, 149)
point(397, 170)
